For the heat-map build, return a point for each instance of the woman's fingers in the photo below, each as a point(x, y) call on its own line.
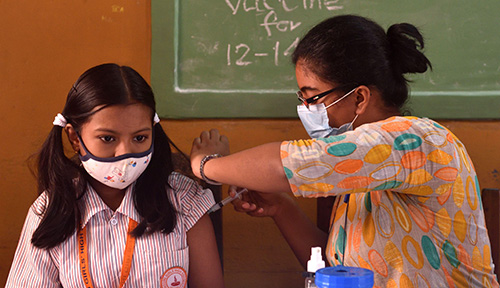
point(196, 141)
point(243, 206)
point(224, 139)
point(214, 134)
point(211, 142)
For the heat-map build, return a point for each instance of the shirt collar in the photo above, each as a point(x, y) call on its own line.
point(91, 204)
point(127, 206)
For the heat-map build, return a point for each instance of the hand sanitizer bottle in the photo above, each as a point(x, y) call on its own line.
point(315, 262)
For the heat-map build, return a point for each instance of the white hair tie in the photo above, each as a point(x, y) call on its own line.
point(59, 120)
point(156, 119)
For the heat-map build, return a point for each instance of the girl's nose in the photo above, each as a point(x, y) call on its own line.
point(123, 148)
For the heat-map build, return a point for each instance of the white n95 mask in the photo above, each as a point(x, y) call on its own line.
point(116, 172)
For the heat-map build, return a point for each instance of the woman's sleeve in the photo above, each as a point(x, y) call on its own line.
point(192, 200)
point(32, 266)
point(407, 155)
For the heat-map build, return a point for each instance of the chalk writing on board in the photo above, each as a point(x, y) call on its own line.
point(271, 20)
point(287, 5)
point(252, 37)
point(242, 54)
point(205, 51)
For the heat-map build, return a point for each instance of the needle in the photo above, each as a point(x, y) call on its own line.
point(226, 201)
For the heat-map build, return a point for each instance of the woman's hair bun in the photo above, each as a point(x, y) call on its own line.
point(405, 53)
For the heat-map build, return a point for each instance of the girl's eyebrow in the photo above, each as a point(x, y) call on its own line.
point(147, 129)
point(106, 130)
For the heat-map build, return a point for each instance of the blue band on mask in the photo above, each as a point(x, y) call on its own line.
point(89, 155)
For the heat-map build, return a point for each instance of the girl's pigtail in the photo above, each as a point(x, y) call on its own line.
point(56, 174)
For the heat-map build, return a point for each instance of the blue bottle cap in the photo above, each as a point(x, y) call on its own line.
point(342, 276)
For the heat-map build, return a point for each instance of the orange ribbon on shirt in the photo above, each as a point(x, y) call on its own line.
point(127, 255)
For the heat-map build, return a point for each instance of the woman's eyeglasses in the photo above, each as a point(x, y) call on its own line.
point(308, 101)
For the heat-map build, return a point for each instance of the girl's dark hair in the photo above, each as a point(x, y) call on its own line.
point(65, 181)
point(352, 49)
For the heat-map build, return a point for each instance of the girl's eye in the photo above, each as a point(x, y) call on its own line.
point(140, 138)
point(107, 139)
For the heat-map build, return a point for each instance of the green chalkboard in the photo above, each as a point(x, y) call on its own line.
point(231, 58)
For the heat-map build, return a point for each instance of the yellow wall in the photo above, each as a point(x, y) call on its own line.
point(46, 45)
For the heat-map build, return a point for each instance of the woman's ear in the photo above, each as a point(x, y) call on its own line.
point(73, 137)
point(363, 97)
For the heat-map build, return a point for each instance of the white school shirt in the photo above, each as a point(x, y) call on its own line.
point(155, 255)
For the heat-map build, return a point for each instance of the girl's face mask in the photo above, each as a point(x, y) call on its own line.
point(116, 172)
point(316, 122)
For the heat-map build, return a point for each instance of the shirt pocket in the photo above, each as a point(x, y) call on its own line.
point(155, 262)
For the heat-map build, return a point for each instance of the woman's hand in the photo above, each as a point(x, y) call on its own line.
point(209, 142)
point(298, 230)
point(259, 204)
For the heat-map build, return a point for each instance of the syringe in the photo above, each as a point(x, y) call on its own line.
point(226, 201)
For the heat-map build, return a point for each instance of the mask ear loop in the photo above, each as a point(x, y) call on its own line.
point(352, 123)
point(83, 145)
point(338, 100)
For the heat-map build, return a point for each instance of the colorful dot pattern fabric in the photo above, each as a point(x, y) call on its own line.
point(414, 216)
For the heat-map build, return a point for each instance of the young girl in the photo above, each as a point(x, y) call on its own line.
point(117, 215)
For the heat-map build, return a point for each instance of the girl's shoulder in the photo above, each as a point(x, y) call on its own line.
point(188, 196)
point(40, 204)
point(187, 190)
point(180, 182)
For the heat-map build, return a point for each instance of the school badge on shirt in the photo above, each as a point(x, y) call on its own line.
point(175, 277)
